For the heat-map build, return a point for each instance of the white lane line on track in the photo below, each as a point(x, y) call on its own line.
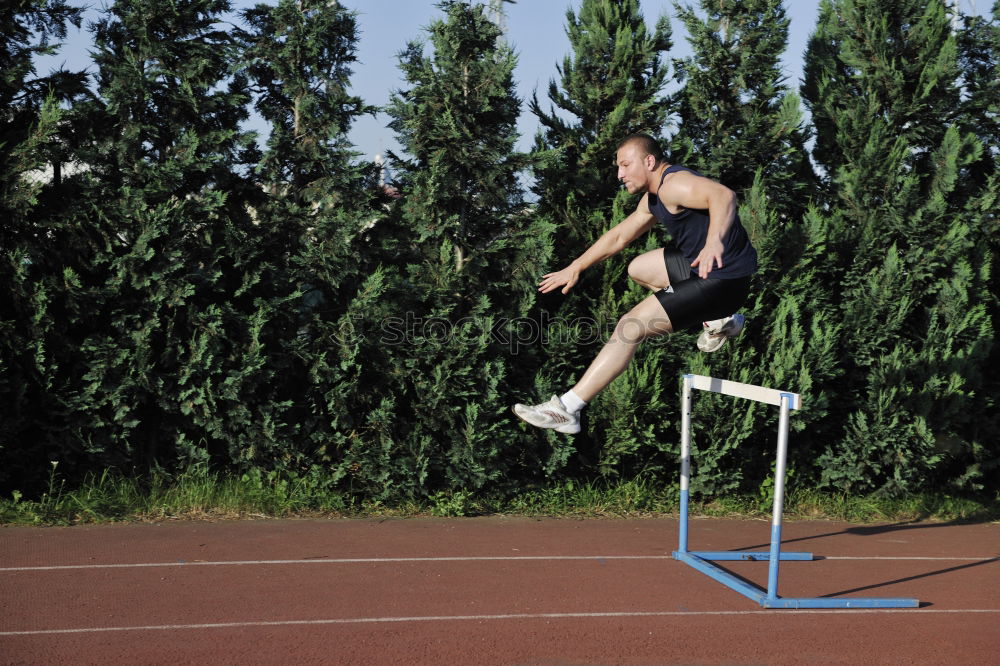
point(383, 560)
point(341, 560)
point(483, 618)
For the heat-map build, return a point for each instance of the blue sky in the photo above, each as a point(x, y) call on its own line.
point(536, 29)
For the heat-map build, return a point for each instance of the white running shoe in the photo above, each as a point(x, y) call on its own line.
point(551, 414)
point(715, 333)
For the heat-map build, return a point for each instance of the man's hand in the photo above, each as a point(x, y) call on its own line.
point(552, 281)
point(710, 257)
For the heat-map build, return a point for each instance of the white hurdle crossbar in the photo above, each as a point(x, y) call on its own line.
point(702, 560)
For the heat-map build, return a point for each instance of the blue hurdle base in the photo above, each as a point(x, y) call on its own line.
point(729, 555)
point(700, 561)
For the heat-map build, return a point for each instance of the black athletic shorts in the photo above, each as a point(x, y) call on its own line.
point(691, 299)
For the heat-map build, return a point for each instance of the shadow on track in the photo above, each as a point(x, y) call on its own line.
point(867, 530)
point(915, 577)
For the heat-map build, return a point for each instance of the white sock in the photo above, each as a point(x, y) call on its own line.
point(572, 402)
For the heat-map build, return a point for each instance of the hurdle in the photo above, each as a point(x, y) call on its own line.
point(702, 560)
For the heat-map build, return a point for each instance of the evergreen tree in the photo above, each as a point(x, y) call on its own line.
point(979, 56)
point(144, 293)
point(164, 79)
point(907, 268)
point(736, 116)
point(299, 56)
point(466, 254)
point(316, 220)
point(29, 26)
point(30, 124)
point(609, 87)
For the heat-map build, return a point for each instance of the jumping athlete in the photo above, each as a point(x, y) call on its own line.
point(704, 277)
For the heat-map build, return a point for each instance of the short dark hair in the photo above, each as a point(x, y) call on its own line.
point(646, 143)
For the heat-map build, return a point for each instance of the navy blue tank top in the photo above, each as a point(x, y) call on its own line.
point(689, 229)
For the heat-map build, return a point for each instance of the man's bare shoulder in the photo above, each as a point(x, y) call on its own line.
point(677, 186)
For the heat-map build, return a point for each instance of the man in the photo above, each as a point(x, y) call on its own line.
point(705, 278)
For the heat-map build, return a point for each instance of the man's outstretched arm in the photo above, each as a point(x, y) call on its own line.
point(610, 243)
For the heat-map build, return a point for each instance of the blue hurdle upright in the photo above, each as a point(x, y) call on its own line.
point(702, 560)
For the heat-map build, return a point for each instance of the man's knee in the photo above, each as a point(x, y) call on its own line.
point(636, 326)
point(649, 270)
point(640, 272)
point(633, 269)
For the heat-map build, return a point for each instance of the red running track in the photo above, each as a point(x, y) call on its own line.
point(488, 591)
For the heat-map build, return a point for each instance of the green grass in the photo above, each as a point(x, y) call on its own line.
point(198, 494)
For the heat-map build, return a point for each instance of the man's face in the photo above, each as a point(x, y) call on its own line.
point(632, 170)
